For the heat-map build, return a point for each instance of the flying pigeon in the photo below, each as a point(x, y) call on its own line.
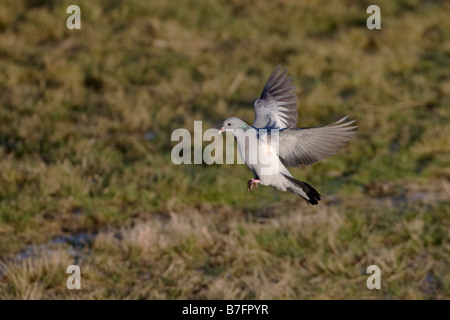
point(273, 142)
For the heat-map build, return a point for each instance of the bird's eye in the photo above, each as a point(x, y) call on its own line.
point(229, 124)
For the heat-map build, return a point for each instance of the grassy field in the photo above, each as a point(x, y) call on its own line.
point(86, 177)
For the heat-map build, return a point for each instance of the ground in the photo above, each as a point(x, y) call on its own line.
point(86, 176)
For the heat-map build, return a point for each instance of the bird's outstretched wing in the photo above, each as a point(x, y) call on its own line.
point(277, 107)
point(304, 146)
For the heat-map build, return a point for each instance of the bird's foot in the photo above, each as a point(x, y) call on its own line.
point(252, 184)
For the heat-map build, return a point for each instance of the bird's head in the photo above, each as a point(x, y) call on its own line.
point(232, 124)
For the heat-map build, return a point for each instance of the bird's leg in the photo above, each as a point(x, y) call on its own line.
point(252, 184)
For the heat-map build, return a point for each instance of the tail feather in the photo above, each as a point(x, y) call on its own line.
point(301, 188)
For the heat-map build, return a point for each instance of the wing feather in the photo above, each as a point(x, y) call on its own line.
point(305, 146)
point(277, 106)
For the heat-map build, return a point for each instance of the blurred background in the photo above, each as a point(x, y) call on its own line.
point(86, 177)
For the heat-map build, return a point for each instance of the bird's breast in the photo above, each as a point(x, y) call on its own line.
point(258, 153)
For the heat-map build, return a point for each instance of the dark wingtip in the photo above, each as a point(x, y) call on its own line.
point(313, 195)
point(313, 200)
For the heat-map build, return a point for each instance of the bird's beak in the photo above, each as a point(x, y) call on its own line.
point(221, 130)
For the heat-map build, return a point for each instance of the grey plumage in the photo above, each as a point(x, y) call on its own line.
point(305, 146)
point(274, 131)
point(277, 106)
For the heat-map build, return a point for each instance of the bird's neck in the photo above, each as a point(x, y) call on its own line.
point(245, 127)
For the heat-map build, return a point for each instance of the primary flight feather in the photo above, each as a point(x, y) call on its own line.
point(273, 142)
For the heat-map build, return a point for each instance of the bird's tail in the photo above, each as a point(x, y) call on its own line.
point(303, 190)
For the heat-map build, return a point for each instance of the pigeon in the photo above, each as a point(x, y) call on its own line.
point(273, 142)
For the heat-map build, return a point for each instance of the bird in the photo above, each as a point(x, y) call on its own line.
point(273, 142)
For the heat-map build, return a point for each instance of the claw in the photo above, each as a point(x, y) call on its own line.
point(252, 184)
point(249, 185)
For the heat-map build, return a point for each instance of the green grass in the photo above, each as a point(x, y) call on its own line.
point(77, 108)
